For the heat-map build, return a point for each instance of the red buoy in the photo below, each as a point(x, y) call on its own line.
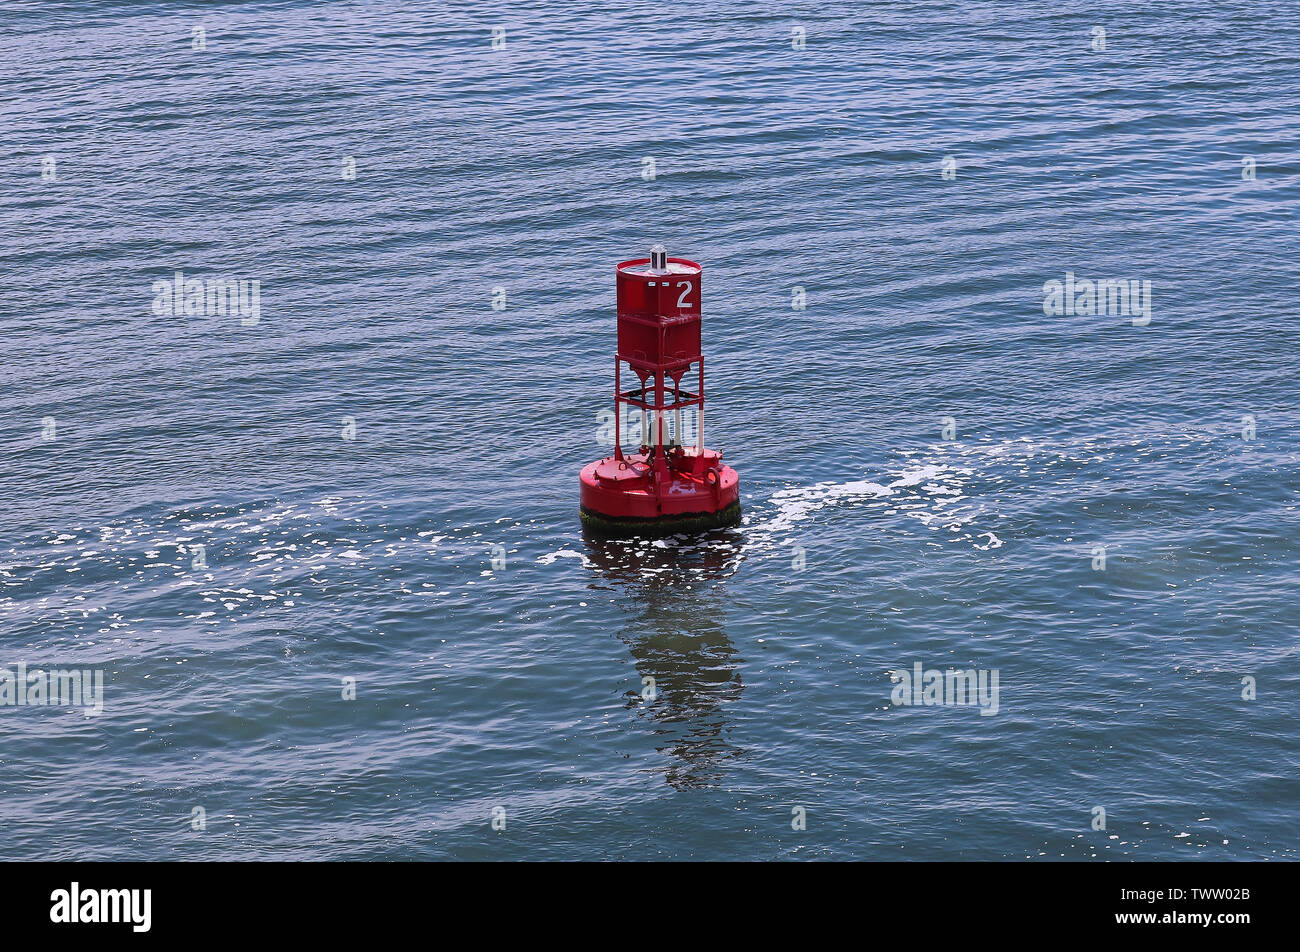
point(670, 482)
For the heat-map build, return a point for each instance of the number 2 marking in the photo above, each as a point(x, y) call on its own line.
point(681, 301)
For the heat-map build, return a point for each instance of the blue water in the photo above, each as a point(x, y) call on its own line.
point(944, 459)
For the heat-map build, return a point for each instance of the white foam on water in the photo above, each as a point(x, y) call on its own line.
point(940, 486)
point(797, 504)
point(550, 557)
point(933, 492)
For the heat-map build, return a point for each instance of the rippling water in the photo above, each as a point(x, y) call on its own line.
point(930, 464)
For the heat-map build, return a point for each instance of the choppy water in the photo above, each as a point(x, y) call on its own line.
point(519, 686)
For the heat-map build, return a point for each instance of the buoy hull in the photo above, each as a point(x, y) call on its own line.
point(627, 497)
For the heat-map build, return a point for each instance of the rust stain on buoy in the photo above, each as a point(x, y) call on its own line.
point(664, 485)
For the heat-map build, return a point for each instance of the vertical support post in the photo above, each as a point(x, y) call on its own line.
point(677, 413)
point(618, 412)
point(699, 429)
point(659, 410)
point(661, 466)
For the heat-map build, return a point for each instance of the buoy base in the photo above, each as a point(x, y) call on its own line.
point(653, 494)
point(685, 523)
